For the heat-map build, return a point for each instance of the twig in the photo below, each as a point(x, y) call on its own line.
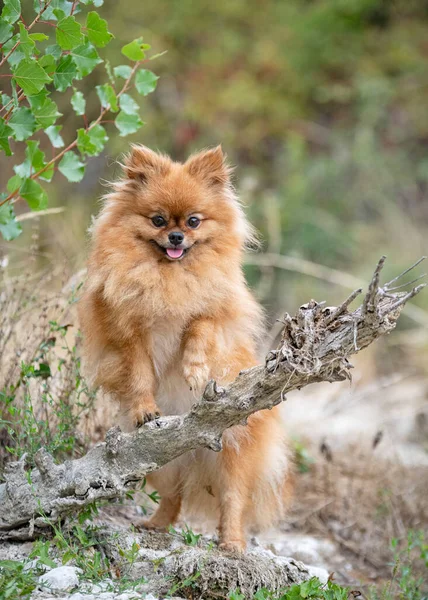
point(369, 304)
point(343, 307)
point(387, 286)
point(41, 213)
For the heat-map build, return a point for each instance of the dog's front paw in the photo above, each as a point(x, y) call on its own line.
point(196, 375)
point(143, 414)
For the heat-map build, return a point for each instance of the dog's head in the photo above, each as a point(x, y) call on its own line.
point(175, 211)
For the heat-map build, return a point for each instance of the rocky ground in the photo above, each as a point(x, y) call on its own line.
point(363, 480)
point(160, 564)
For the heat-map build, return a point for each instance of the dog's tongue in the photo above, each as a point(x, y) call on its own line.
point(174, 252)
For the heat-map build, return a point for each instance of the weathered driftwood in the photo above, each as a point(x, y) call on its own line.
point(315, 347)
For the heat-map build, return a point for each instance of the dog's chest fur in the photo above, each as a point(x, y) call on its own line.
point(165, 338)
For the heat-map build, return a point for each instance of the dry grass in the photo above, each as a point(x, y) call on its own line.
point(43, 395)
point(361, 502)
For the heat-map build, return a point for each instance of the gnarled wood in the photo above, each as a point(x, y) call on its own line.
point(315, 347)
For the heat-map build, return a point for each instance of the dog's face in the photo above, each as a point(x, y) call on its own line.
point(177, 212)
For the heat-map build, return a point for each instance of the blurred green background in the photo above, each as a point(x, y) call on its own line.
point(321, 105)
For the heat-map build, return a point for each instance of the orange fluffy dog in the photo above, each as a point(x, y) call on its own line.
point(165, 309)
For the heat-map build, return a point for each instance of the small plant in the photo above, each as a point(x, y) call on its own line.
point(16, 581)
point(313, 588)
point(62, 398)
point(236, 595)
point(409, 570)
point(188, 536)
point(153, 496)
point(187, 584)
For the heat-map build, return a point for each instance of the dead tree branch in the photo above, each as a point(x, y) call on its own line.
point(315, 347)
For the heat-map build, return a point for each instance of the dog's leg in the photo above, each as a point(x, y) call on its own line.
point(234, 492)
point(232, 505)
point(166, 514)
point(132, 379)
point(197, 347)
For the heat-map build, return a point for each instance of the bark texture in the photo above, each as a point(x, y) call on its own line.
point(315, 346)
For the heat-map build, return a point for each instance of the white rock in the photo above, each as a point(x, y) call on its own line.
point(79, 596)
point(61, 579)
point(319, 572)
point(150, 597)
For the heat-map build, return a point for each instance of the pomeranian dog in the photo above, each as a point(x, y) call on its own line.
point(165, 308)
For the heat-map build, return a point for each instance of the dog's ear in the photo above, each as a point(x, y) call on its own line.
point(210, 166)
point(142, 163)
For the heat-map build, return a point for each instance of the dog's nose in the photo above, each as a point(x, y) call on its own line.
point(176, 237)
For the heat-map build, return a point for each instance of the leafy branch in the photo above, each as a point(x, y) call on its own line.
point(36, 68)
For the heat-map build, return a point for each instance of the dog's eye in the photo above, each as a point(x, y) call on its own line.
point(193, 222)
point(158, 221)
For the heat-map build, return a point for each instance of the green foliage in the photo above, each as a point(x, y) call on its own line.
point(9, 227)
point(42, 64)
point(313, 588)
point(145, 82)
point(16, 581)
point(27, 430)
point(409, 570)
point(188, 536)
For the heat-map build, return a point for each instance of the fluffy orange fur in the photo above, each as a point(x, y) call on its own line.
point(160, 319)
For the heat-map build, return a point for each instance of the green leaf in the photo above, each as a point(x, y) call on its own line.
point(33, 163)
point(145, 81)
point(98, 137)
point(133, 50)
point(107, 97)
point(57, 9)
point(123, 71)
point(44, 110)
point(26, 44)
point(91, 141)
point(97, 30)
point(127, 123)
point(48, 63)
point(68, 33)
point(30, 76)
point(86, 59)
point(34, 194)
point(65, 72)
point(53, 50)
point(15, 56)
point(14, 184)
point(6, 31)
point(11, 11)
point(53, 133)
point(84, 143)
point(71, 167)
point(109, 72)
point(22, 123)
point(5, 133)
point(78, 102)
point(128, 104)
point(39, 37)
point(9, 227)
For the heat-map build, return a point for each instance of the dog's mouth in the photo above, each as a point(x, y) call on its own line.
point(172, 252)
